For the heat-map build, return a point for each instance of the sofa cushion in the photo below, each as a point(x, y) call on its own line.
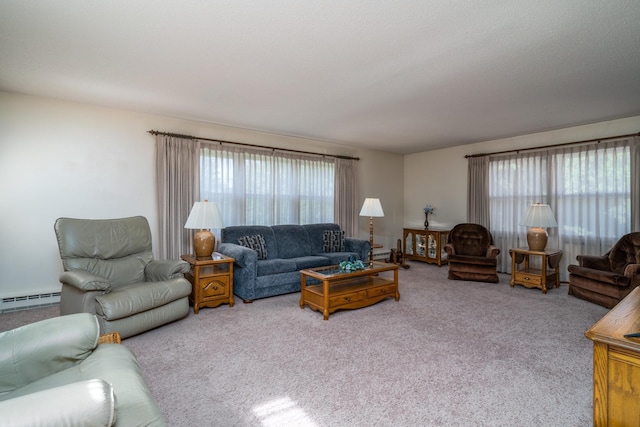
point(232, 233)
point(333, 241)
point(316, 235)
point(115, 364)
point(130, 300)
point(336, 258)
point(626, 251)
point(275, 266)
point(292, 241)
point(311, 261)
point(255, 242)
point(608, 277)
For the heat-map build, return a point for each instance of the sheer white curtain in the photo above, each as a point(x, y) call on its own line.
point(346, 198)
point(587, 186)
point(176, 190)
point(267, 187)
point(478, 191)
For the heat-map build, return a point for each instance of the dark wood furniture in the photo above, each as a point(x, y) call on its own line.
point(471, 254)
point(616, 365)
point(339, 290)
point(211, 280)
point(425, 245)
point(542, 275)
point(607, 279)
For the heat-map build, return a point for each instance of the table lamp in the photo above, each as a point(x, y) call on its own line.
point(538, 216)
point(204, 216)
point(371, 207)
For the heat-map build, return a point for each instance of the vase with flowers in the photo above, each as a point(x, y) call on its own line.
point(427, 210)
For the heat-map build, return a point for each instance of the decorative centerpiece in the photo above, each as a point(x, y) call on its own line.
point(352, 264)
point(427, 210)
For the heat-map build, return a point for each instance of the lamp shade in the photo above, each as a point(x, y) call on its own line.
point(371, 207)
point(203, 216)
point(538, 216)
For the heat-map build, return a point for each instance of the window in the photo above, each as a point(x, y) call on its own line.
point(587, 186)
point(267, 187)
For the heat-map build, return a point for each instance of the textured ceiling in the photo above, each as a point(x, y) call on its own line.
point(403, 76)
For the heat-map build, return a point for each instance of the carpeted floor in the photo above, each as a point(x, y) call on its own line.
point(447, 354)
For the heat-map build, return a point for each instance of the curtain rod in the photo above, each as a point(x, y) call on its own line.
point(221, 141)
point(551, 146)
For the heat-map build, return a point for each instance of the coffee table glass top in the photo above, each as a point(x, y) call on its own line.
point(335, 270)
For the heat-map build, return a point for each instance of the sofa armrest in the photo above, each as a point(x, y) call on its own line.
point(43, 348)
point(359, 246)
point(85, 281)
point(493, 251)
point(84, 403)
point(242, 255)
point(449, 249)
point(159, 270)
point(632, 270)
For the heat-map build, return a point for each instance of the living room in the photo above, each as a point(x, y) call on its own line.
point(85, 161)
point(72, 158)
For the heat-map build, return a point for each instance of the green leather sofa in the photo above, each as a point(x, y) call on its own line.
point(54, 373)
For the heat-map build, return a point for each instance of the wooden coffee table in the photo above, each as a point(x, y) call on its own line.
point(347, 290)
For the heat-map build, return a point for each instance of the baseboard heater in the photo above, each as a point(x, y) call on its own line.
point(26, 302)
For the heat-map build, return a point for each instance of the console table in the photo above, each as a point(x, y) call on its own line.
point(425, 245)
point(616, 365)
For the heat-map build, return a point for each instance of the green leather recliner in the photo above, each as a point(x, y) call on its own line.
point(54, 373)
point(109, 271)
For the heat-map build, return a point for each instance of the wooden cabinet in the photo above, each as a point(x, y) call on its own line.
point(542, 275)
point(211, 280)
point(425, 245)
point(616, 365)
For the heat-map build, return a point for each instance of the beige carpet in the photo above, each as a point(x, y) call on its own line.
point(447, 354)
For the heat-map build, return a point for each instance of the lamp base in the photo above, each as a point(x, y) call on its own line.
point(203, 243)
point(537, 239)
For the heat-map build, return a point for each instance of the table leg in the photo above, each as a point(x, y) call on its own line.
point(513, 270)
point(543, 279)
point(395, 279)
point(303, 285)
point(325, 285)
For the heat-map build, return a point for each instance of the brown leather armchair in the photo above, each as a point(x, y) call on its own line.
point(471, 254)
point(606, 279)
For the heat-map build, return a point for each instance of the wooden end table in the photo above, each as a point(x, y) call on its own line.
point(529, 277)
point(211, 280)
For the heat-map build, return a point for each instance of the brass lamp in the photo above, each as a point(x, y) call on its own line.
point(371, 207)
point(204, 216)
point(538, 216)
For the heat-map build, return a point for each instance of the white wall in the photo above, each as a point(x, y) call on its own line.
point(66, 159)
point(439, 177)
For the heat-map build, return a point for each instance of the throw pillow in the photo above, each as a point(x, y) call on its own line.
point(255, 242)
point(333, 241)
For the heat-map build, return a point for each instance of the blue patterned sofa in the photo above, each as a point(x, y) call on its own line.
point(268, 260)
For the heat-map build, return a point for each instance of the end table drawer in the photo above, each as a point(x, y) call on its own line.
point(533, 279)
point(215, 287)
